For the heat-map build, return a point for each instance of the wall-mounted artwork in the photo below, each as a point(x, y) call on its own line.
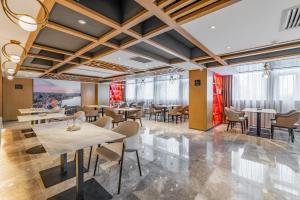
point(49, 93)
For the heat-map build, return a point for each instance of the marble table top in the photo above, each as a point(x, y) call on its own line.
point(98, 106)
point(33, 110)
point(127, 109)
point(255, 110)
point(27, 118)
point(57, 140)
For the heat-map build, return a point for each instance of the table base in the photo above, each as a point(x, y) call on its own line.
point(30, 135)
point(36, 150)
point(92, 191)
point(27, 130)
point(53, 176)
point(264, 133)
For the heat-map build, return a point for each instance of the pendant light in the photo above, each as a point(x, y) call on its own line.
point(266, 72)
point(25, 21)
point(13, 51)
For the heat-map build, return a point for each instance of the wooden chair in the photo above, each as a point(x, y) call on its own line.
point(242, 114)
point(185, 112)
point(234, 117)
point(288, 120)
point(117, 118)
point(175, 112)
point(137, 114)
point(154, 111)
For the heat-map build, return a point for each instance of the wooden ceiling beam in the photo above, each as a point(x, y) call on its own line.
point(205, 11)
point(164, 3)
point(178, 5)
point(191, 8)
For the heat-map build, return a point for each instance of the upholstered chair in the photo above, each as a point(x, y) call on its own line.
point(114, 152)
point(234, 117)
point(104, 122)
point(91, 114)
point(184, 112)
point(117, 118)
point(288, 120)
point(175, 112)
point(154, 111)
point(241, 114)
point(136, 114)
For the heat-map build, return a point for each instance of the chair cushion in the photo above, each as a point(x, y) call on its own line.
point(111, 151)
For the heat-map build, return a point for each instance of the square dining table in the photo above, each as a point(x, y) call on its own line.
point(26, 111)
point(57, 140)
point(258, 116)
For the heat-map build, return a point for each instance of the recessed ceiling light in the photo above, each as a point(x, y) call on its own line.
point(81, 21)
point(213, 27)
point(228, 47)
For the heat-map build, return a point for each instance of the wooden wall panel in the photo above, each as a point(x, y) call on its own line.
point(200, 100)
point(13, 99)
point(89, 94)
point(1, 94)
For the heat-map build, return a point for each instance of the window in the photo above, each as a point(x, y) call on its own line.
point(130, 90)
point(286, 86)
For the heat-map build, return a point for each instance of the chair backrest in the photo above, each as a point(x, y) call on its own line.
point(123, 105)
point(79, 115)
point(110, 112)
point(104, 122)
point(128, 128)
point(231, 114)
point(175, 110)
point(289, 120)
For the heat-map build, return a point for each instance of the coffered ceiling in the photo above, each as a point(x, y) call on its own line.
point(140, 35)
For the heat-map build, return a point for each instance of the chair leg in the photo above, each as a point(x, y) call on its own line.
point(121, 168)
point(292, 135)
point(150, 116)
point(272, 131)
point(176, 119)
point(242, 124)
point(91, 149)
point(138, 160)
point(247, 123)
point(96, 164)
point(231, 125)
point(228, 125)
point(141, 122)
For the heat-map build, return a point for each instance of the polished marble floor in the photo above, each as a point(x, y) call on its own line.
point(177, 163)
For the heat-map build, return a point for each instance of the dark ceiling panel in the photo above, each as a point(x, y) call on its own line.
point(148, 25)
point(120, 39)
point(180, 38)
point(59, 40)
point(98, 49)
point(64, 67)
point(196, 52)
point(108, 8)
point(129, 9)
point(69, 18)
point(32, 62)
point(47, 53)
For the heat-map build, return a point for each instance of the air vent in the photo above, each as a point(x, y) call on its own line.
point(291, 18)
point(141, 59)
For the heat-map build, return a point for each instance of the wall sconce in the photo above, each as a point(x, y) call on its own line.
point(25, 21)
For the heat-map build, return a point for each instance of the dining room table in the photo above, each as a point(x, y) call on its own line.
point(26, 111)
point(126, 110)
point(101, 107)
point(59, 141)
point(258, 116)
point(39, 117)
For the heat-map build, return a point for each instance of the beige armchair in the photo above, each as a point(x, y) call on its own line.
point(234, 117)
point(104, 122)
point(175, 112)
point(137, 114)
point(242, 114)
point(185, 112)
point(117, 118)
point(91, 114)
point(154, 111)
point(114, 152)
point(288, 120)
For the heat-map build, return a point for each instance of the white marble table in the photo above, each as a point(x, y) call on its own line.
point(28, 118)
point(25, 111)
point(58, 141)
point(126, 110)
point(258, 116)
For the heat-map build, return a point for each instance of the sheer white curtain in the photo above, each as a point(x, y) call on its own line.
point(280, 91)
point(130, 90)
point(144, 90)
point(159, 90)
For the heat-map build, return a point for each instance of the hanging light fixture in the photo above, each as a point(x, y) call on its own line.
point(266, 72)
point(25, 21)
point(143, 82)
point(9, 68)
point(13, 51)
point(172, 79)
